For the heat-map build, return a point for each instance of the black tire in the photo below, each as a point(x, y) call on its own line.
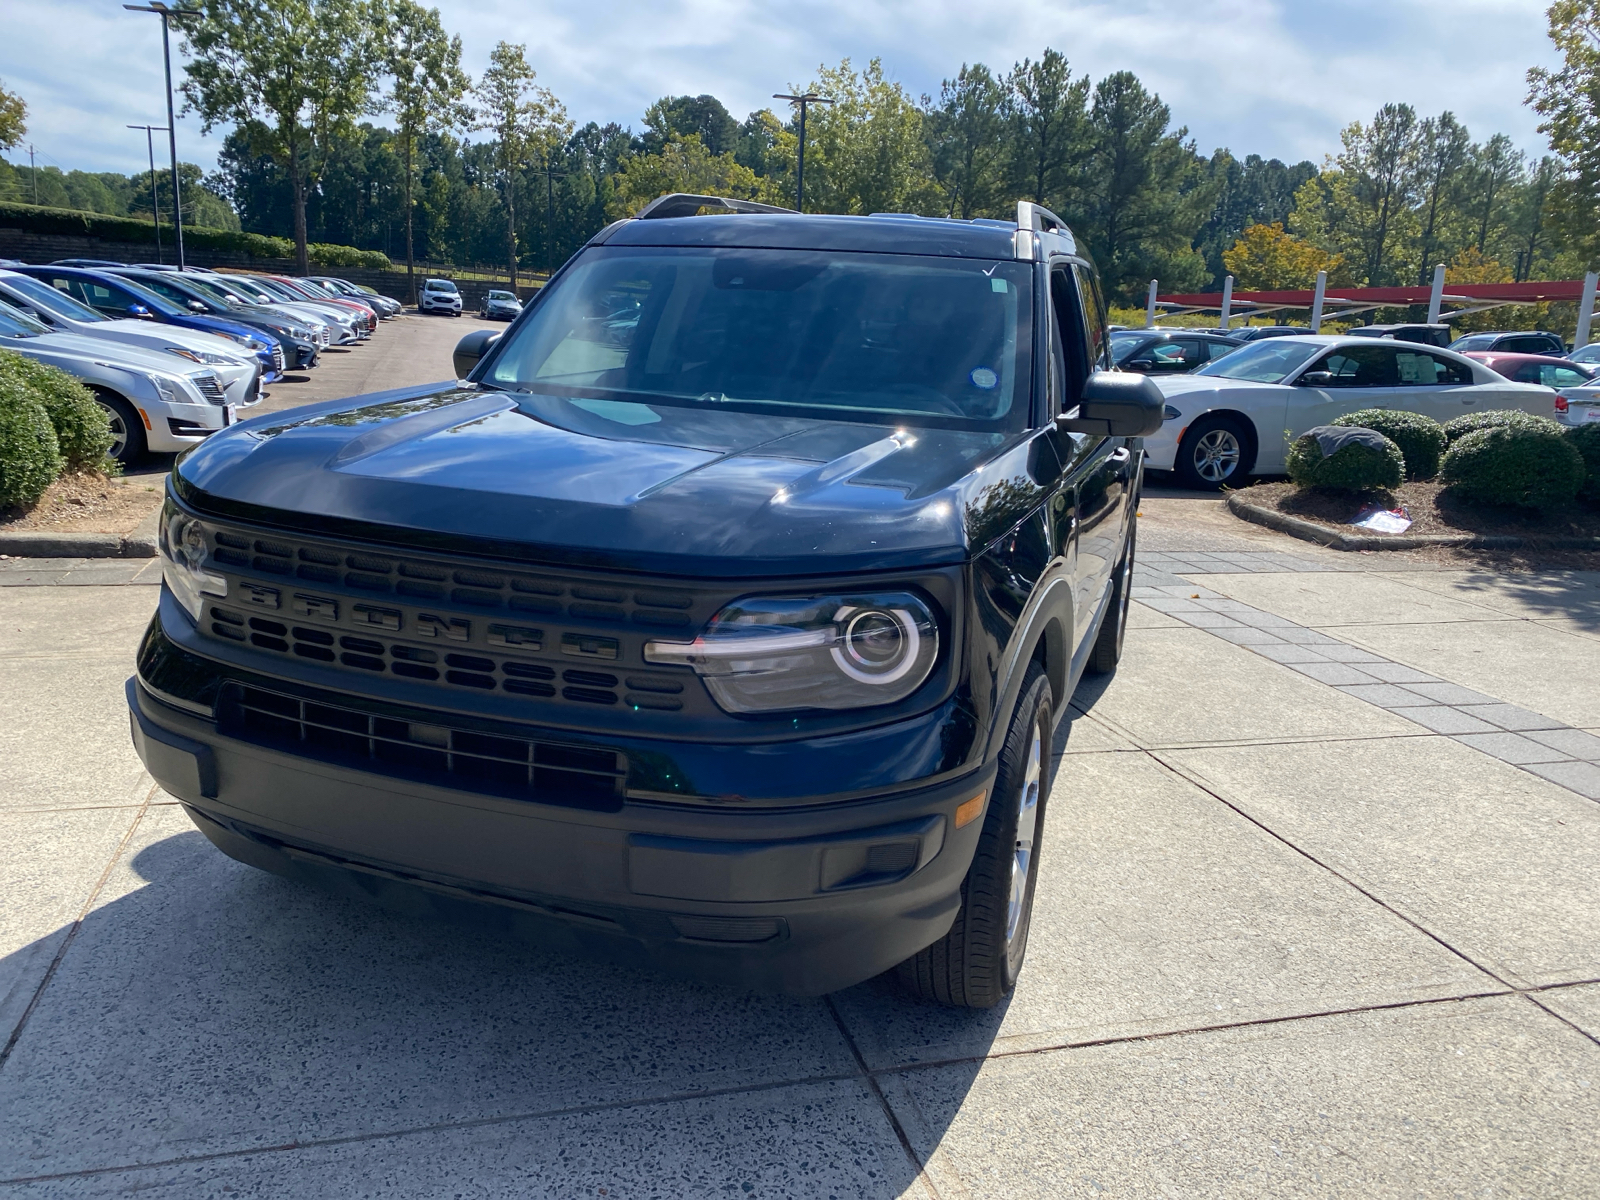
point(126, 428)
point(1107, 652)
point(976, 964)
point(1215, 452)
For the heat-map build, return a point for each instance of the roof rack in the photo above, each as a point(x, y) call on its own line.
point(684, 204)
point(1037, 216)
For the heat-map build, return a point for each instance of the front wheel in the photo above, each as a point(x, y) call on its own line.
point(976, 964)
point(1214, 452)
point(127, 430)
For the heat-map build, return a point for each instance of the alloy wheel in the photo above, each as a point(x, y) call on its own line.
point(1216, 455)
point(1027, 827)
point(119, 433)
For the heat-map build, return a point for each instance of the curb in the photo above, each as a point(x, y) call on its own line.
point(1310, 531)
point(141, 543)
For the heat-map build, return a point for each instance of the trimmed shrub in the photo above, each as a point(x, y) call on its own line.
point(30, 460)
point(1503, 418)
point(83, 431)
point(1585, 440)
point(1352, 468)
point(1421, 439)
point(1517, 465)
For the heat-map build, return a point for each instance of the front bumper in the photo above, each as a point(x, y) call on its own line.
point(806, 898)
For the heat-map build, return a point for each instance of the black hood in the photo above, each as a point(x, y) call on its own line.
point(684, 491)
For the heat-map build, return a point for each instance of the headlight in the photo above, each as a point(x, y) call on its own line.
point(232, 337)
point(199, 356)
point(168, 390)
point(767, 653)
point(183, 555)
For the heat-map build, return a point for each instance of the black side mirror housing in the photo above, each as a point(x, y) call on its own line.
point(1116, 404)
point(471, 348)
point(1315, 379)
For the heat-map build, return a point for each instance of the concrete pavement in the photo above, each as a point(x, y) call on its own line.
point(1289, 940)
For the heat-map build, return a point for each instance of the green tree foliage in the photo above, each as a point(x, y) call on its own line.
point(295, 73)
point(1265, 258)
point(1569, 101)
point(1049, 120)
point(13, 118)
point(30, 456)
point(684, 164)
point(865, 152)
point(426, 93)
point(528, 124)
point(703, 117)
point(966, 139)
point(1256, 191)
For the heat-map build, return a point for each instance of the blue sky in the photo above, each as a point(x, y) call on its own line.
point(1259, 76)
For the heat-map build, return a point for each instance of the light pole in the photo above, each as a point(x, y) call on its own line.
point(550, 174)
point(800, 164)
point(160, 8)
point(155, 204)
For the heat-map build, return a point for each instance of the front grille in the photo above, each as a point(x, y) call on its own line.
point(322, 336)
point(210, 387)
point(277, 356)
point(467, 667)
point(545, 772)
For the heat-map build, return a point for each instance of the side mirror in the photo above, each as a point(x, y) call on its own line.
point(196, 306)
point(1139, 364)
point(471, 348)
point(1315, 379)
point(138, 310)
point(1117, 405)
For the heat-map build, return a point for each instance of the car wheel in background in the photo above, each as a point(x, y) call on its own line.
point(1214, 451)
point(976, 964)
point(127, 430)
point(1107, 650)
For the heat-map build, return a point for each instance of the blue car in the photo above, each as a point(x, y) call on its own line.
point(121, 298)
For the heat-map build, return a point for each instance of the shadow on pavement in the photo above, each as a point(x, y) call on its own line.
point(219, 1009)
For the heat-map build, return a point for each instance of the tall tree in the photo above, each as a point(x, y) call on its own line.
point(966, 137)
point(13, 118)
point(1569, 102)
point(1496, 166)
point(522, 117)
point(297, 73)
point(1049, 119)
point(1531, 209)
point(865, 152)
point(426, 91)
point(1442, 151)
point(1378, 163)
point(680, 116)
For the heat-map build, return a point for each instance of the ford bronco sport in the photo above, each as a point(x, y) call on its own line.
point(719, 618)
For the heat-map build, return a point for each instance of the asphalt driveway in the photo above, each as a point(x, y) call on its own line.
point(1296, 934)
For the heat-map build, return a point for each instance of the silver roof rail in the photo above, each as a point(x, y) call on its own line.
point(683, 204)
point(1036, 218)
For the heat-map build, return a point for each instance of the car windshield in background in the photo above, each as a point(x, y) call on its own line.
point(493, 295)
point(1477, 341)
point(1267, 361)
point(52, 299)
point(941, 342)
point(15, 323)
point(441, 285)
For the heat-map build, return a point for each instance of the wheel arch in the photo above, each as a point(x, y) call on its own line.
point(1252, 434)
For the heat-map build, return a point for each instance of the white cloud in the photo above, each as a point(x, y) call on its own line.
point(1273, 77)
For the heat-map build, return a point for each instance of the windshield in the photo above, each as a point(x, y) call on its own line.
point(1477, 341)
point(494, 295)
point(17, 324)
point(1267, 361)
point(153, 300)
point(880, 337)
point(441, 285)
point(50, 299)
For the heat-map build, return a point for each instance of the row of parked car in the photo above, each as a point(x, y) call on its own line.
point(1231, 395)
point(174, 355)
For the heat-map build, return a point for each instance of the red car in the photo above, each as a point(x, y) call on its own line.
point(319, 294)
point(1560, 374)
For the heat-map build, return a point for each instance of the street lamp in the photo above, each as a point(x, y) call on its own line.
point(160, 8)
point(800, 166)
point(155, 205)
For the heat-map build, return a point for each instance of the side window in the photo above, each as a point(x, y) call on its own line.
point(1068, 330)
point(1361, 367)
point(1445, 370)
point(1176, 355)
point(1417, 368)
point(1561, 377)
point(1094, 318)
point(162, 289)
point(1215, 350)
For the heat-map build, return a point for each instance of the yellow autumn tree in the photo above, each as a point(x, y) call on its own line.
point(1473, 266)
point(1266, 259)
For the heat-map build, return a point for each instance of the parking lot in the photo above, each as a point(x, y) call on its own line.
point(1318, 911)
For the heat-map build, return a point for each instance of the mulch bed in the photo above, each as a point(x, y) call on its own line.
point(1434, 509)
point(86, 502)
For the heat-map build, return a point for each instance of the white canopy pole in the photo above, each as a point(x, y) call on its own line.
point(1227, 301)
point(1316, 302)
point(1150, 307)
point(1585, 311)
point(1436, 298)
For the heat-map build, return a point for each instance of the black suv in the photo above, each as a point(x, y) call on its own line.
point(1528, 341)
point(719, 620)
point(1168, 352)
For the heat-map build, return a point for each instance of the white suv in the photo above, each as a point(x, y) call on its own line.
point(440, 295)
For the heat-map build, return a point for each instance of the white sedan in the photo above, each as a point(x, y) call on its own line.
point(1239, 414)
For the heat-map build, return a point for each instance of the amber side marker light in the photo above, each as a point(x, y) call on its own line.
point(970, 810)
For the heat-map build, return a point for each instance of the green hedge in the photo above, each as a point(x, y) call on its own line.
point(1519, 465)
point(83, 432)
point(1585, 440)
point(1353, 468)
point(1497, 418)
point(30, 459)
point(72, 223)
point(1421, 439)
